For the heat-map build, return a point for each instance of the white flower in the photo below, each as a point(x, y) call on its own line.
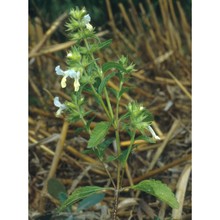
point(153, 133)
point(72, 74)
point(58, 104)
point(86, 19)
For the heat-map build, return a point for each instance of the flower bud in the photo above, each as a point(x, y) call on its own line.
point(74, 55)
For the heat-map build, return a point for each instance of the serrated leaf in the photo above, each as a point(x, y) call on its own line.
point(159, 190)
point(104, 82)
point(81, 193)
point(112, 65)
point(98, 134)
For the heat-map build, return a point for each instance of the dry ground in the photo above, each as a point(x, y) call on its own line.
point(161, 50)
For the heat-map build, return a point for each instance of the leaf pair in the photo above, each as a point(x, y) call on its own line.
point(152, 187)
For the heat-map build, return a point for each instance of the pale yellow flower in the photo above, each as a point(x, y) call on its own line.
point(69, 73)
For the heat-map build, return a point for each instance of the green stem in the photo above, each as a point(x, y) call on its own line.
point(128, 153)
point(101, 102)
point(108, 103)
point(117, 189)
point(85, 123)
point(115, 121)
point(119, 168)
point(111, 115)
point(131, 145)
point(116, 125)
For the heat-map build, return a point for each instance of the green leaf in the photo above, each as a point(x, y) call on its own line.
point(159, 190)
point(100, 149)
point(104, 82)
point(110, 158)
point(105, 44)
point(55, 187)
point(88, 122)
point(103, 146)
point(113, 91)
point(62, 197)
point(94, 151)
point(112, 65)
point(123, 90)
point(124, 156)
point(79, 194)
point(125, 116)
point(146, 138)
point(98, 134)
point(90, 201)
point(148, 116)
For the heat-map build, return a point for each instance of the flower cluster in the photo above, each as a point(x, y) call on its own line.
point(79, 18)
point(141, 118)
point(80, 26)
point(79, 22)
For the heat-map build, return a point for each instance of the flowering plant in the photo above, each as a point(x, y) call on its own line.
point(91, 77)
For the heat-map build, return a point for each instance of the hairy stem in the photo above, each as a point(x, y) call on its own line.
point(115, 120)
point(101, 102)
point(131, 145)
point(116, 125)
point(128, 153)
point(114, 216)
